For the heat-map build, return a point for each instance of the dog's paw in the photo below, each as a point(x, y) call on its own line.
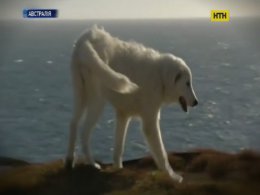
point(96, 165)
point(117, 166)
point(68, 165)
point(176, 177)
point(93, 164)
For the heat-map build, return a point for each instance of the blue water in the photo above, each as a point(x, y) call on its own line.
point(36, 94)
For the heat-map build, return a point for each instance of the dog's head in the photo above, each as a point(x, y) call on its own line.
point(177, 83)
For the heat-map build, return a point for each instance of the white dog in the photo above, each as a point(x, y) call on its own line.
point(136, 80)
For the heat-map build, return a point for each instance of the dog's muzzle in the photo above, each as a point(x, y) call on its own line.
point(195, 103)
point(183, 104)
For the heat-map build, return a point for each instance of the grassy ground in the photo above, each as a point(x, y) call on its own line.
point(205, 172)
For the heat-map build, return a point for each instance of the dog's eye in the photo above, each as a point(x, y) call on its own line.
point(188, 84)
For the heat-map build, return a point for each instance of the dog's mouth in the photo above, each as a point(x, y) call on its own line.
point(183, 104)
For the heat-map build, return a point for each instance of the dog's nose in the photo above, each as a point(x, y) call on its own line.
point(195, 103)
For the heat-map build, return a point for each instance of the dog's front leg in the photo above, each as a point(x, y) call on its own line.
point(153, 137)
point(120, 134)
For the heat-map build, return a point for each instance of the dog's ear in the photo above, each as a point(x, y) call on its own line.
point(177, 78)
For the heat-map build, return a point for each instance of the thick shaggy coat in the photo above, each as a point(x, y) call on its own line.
point(136, 80)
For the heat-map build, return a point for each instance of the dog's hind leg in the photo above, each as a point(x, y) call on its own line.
point(94, 110)
point(72, 137)
point(151, 130)
point(79, 108)
point(120, 134)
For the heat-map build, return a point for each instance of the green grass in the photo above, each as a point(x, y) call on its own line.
point(205, 172)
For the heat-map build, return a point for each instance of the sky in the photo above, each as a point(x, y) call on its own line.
point(131, 9)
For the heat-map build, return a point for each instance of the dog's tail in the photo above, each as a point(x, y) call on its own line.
point(108, 77)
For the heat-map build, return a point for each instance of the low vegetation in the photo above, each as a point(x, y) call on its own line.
point(205, 172)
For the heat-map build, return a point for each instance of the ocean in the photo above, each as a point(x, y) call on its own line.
point(36, 93)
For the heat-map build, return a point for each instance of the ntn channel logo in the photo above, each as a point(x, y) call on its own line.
point(220, 16)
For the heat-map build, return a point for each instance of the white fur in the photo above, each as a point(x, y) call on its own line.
point(136, 80)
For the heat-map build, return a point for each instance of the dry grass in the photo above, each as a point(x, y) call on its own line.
point(219, 165)
point(205, 172)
